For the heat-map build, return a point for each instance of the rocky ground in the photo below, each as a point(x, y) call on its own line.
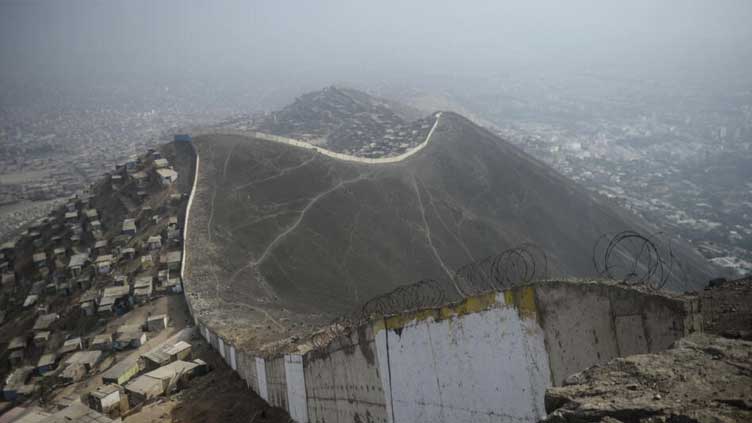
point(702, 379)
point(727, 308)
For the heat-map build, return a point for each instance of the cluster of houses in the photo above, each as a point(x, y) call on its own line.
point(131, 382)
point(125, 385)
point(347, 122)
point(135, 170)
point(95, 258)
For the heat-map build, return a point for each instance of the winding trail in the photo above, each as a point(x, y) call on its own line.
point(280, 174)
point(227, 162)
point(427, 230)
point(454, 235)
point(303, 212)
point(290, 229)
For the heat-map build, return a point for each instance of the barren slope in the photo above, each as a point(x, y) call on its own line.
point(282, 238)
point(702, 379)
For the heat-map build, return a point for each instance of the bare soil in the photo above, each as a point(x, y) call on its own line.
point(217, 397)
point(703, 379)
point(727, 309)
point(282, 240)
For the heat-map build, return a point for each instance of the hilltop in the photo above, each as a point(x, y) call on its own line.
point(283, 238)
point(347, 121)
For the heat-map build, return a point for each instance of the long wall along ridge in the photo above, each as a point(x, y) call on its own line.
point(488, 358)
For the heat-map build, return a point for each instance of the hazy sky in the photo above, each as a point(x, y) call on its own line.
point(324, 41)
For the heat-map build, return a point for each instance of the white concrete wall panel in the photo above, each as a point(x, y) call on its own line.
point(665, 322)
point(487, 366)
point(213, 340)
point(662, 319)
point(630, 335)
point(241, 366)
point(276, 382)
point(296, 388)
point(539, 371)
point(343, 382)
point(191, 196)
point(385, 372)
point(263, 389)
point(591, 323)
point(249, 369)
point(579, 329)
point(221, 347)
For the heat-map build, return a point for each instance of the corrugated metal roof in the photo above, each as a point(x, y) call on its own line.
point(118, 369)
point(145, 385)
point(172, 370)
point(84, 357)
point(180, 346)
point(78, 260)
point(46, 360)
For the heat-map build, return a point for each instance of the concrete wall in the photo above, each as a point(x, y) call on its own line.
point(489, 358)
point(590, 323)
point(247, 370)
point(343, 382)
point(276, 382)
point(263, 387)
point(204, 332)
point(482, 362)
point(185, 222)
point(233, 358)
point(333, 154)
point(296, 390)
point(213, 340)
point(221, 348)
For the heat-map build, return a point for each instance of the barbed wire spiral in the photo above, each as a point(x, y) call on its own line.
point(511, 267)
point(422, 294)
point(519, 265)
point(626, 256)
point(634, 258)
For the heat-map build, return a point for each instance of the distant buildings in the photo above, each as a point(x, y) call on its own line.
point(346, 121)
